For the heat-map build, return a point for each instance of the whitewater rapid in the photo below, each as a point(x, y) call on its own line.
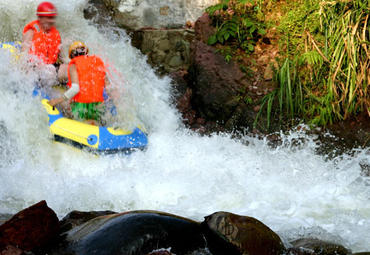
point(290, 188)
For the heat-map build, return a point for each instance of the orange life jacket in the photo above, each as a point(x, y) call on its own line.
point(45, 45)
point(91, 79)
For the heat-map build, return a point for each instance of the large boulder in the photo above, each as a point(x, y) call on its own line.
point(135, 232)
point(31, 228)
point(217, 84)
point(246, 234)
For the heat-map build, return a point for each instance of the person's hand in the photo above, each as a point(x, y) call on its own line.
point(56, 101)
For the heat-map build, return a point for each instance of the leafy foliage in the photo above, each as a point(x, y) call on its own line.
point(236, 23)
point(329, 77)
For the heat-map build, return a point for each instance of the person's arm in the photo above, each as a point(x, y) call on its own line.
point(27, 40)
point(72, 91)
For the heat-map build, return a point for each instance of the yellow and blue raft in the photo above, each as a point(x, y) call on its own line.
point(96, 138)
point(99, 138)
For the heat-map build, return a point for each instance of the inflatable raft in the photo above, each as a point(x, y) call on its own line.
point(95, 138)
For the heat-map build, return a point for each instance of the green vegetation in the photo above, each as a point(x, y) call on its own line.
point(325, 75)
point(324, 66)
point(237, 23)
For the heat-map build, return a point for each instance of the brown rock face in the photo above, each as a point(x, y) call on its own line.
point(31, 228)
point(216, 83)
point(204, 28)
point(249, 235)
point(183, 96)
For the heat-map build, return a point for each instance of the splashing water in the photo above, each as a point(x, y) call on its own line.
point(290, 188)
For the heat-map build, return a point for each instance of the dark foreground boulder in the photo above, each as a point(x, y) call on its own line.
point(77, 218)
point(32, 228)
point(136, 232)
point(246, 234)
point(312, 246)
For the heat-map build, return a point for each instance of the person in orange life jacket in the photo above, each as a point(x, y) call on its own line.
point(42, 39)
point(87, 80)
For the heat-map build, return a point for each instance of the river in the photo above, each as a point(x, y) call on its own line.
point(290, 188)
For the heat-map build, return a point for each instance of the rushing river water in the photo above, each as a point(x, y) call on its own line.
point(290, 188)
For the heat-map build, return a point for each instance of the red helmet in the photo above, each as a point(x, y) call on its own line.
point(46, 9)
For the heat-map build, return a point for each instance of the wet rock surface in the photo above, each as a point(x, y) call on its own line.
point(247, 234)
point(98, 13)
point(137, 232)
point(317, 247)
point(76, 218)
point(219, 88)
point(32, 228)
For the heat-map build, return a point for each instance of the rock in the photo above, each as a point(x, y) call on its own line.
point(175, 61)
point(136, 232)
point(167, 50)
point(247, 234)
point(216, 84)
point(203, 28)
point(133, 14)
point(318, 247)
point(76, 218)
point(98, 12)
point(31, 228)
point(347, 135)
point(164, 45)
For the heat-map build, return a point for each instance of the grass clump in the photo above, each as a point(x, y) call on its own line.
point(325, 76)
point(239, 23)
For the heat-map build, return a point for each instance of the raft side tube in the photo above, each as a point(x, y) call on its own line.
point(96, 137)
